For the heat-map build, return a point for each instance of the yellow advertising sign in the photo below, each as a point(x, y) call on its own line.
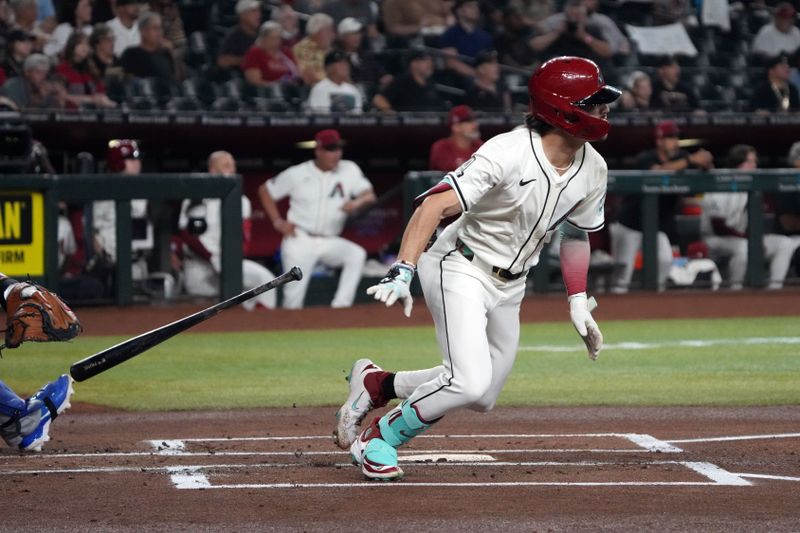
point(22, 233)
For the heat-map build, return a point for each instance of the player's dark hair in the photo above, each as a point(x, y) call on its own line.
point(537, 125)
point(738, 155)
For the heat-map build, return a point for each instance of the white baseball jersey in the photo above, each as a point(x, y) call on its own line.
point(316, 197)
point(327, 96)
point(211, 208)
point(732, 206)
point(513, 198)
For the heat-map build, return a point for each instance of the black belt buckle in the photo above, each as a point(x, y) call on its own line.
point(505, 275)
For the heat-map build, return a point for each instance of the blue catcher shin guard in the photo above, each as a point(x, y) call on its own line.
point(401, 424)
point(12, 409)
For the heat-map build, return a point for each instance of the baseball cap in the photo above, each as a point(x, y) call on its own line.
point(776, 60)
point(334, 56)
point(20, 35)
point(328, 139)
point(459, 114)
point(666, 128)
point(247, 5)
point(785, 10)
point(418, 53)
point(349, 25)
point(485, 56)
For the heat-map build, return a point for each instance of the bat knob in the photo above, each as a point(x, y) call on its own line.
point(296, 273)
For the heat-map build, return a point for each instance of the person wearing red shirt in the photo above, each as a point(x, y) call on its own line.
point(266, 63)
point(82, 87)
point(465, 137)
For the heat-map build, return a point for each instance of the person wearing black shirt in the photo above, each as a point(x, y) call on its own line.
point(776, 92)
point(626, 232)
point(412, 91)
point(487, 91)
point(241, 37)
point(150, 59)
point(669, 92)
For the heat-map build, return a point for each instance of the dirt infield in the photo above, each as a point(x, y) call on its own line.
point(545, 469)
point(515, 469)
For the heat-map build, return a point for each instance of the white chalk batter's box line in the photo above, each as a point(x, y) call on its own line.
point(193, 476)
point(644, 443)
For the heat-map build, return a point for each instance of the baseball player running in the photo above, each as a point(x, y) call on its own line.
point(512, 195)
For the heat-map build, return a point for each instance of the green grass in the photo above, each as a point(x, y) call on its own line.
point(307, 368)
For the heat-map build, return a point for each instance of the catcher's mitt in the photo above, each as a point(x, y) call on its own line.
point(36, 314)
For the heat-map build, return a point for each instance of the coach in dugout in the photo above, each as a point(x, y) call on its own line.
point(322, 193)
point(465, 137)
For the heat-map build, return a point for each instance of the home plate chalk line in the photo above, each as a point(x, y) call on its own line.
point(188, 477)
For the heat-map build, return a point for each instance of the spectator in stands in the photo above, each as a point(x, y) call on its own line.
point(124, 26)
point(776, 93)
point(334, 93)
point(241, 37)
point(638, 93)
point(608, 28)
point(513, 39)
point(46, 16)
point(412, 91)
point(73, 15)
point(201, 233)
point(82, 88)
point(532, 12)
point(150, 59)
point(570, 33)
point(670, 93)
point(780, 36)
point(465, 38)
point(173, 36)
point(365, 68)
point(33, 90)
point(626, 232)
point(360, 10)
point(724, 225)
point(25, 18)
point(407, 20)
point(290, 25)
point(310, 52)
point(465, 138)
point(322, 192)
point(487, 92)
point(19, 45)
point(266, 63)
point(102, 56)
point(672, 11)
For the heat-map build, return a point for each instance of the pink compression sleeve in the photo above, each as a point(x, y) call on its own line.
point(574, 264)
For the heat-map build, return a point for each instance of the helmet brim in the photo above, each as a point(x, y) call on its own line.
point(605, 95)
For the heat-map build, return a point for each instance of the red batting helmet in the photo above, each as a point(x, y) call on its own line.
point(118, 151)
point(562, 87)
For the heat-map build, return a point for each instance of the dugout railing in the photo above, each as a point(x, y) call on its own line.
point(158, 188)
point(650, 184)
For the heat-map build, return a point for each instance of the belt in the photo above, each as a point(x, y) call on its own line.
point(499, 273)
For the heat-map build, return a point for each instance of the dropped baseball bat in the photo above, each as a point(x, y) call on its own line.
point(111, 357)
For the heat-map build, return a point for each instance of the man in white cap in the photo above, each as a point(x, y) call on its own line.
point(364, 67)
point(241, 37)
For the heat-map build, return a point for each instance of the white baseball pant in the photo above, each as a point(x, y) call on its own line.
point(305, 251)
point(200, 279)
point(778, 249)
point(477, 328)
point(625, 242)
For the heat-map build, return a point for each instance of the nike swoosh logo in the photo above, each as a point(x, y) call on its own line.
point(355, 403)
point(522, 182)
